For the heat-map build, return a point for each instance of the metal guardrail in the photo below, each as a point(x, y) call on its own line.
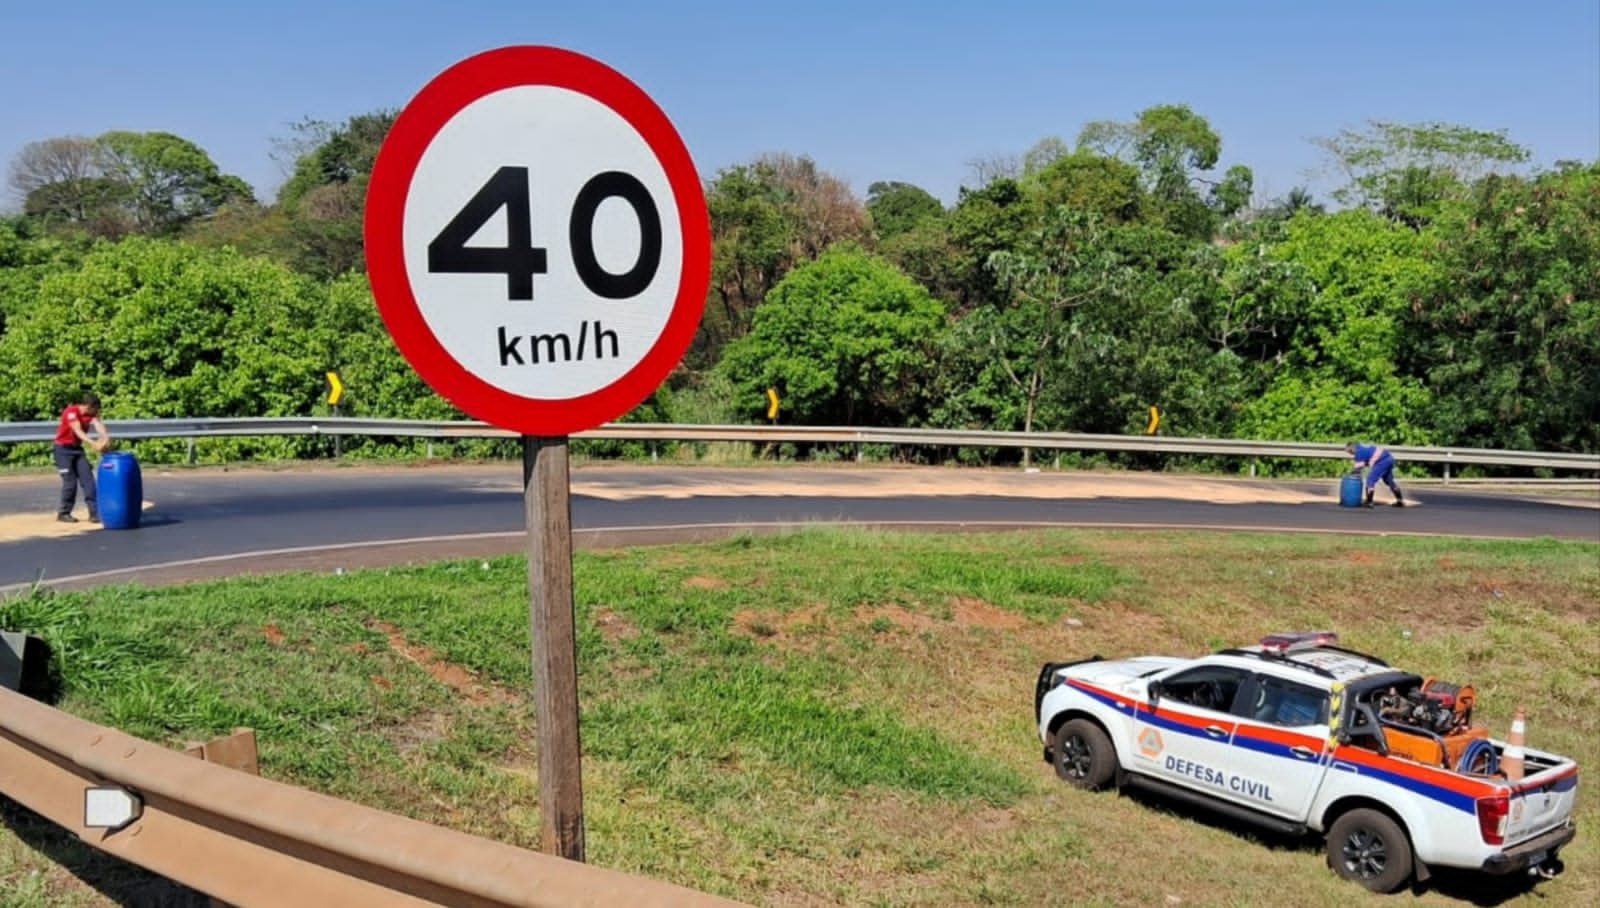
point(1066, 441)
point(251, 842)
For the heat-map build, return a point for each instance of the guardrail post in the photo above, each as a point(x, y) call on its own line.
point(1447, 471)
point(235, 751)
point(191, 451)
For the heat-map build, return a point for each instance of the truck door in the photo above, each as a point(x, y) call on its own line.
point(1183, 736)
point(1280, 748)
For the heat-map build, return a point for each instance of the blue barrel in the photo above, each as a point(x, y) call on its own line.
point(1350, 491)
point(121, 491)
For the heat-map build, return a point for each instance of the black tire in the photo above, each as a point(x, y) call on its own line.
point(1084, 757)
point(1369, 847)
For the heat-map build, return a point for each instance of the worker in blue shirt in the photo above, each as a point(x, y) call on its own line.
point(1379, 464)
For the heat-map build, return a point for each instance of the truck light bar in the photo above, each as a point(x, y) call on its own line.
point(1298, 640)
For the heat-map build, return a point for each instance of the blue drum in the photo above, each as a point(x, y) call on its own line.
point(1350, 491)
point(121, 490)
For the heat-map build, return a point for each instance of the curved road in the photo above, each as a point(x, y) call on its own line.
point(200, 523)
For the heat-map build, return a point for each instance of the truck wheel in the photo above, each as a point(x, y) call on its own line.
point(1369, 847)
point(1084, 755)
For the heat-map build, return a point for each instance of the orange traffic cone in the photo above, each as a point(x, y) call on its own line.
point(1511, 760)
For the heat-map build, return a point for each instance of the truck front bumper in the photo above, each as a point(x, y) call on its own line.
point(1533, 852)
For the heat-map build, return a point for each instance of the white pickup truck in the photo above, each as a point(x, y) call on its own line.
point(1299, 735)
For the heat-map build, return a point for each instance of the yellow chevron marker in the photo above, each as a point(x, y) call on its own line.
point(1155, 420)
point(772, 407)
point(335, 389)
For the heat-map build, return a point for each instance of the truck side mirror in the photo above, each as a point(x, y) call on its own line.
point(1154, 690)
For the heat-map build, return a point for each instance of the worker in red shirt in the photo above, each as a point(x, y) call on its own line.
point(80, 426)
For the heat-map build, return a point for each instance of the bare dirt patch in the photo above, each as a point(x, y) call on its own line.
point(971, 612)
point(614, 627)
point(449, 674)
point(779, 627)
point(706, 583)
point(273, 634)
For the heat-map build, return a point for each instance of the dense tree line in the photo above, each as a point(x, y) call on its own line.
point(1452, 297)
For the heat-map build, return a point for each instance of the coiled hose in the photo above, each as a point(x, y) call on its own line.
point(1479, 749)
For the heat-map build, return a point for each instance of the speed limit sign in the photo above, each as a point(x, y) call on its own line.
point(537, 240)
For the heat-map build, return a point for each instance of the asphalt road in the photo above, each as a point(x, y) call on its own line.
point(210, 523)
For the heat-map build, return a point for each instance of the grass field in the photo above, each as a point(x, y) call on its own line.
point(831, 717)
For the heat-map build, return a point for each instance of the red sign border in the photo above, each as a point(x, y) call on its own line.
point(414, 130)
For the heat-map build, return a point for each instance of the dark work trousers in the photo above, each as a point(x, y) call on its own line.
point(73, 465)
point(1384, 470)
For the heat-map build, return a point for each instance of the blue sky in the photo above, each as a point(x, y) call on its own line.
point(870, 90)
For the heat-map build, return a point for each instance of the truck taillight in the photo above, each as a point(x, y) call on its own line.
point(1492, 813)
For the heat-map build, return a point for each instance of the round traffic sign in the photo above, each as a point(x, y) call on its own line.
point(537, 240)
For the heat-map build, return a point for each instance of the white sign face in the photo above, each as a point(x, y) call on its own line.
point(537, 240)
point(533, 326)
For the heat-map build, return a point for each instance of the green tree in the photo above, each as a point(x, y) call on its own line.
point(1061, 267)
point(912, 232)
point(333, 155)
point(846, 339)
point(323, 202)
point(122, 182)
point(1090, 182)
point(62, 184)
point(1173, 146)
point(1340, 374)
point(984, 221)
point(897, 208)
point(766, 217)
point(1506, 326)
point(1232, 194)
point(1044, 152)
point(751, 250)
point(169, 180)
point(1404, 171)
point(1295, 201)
